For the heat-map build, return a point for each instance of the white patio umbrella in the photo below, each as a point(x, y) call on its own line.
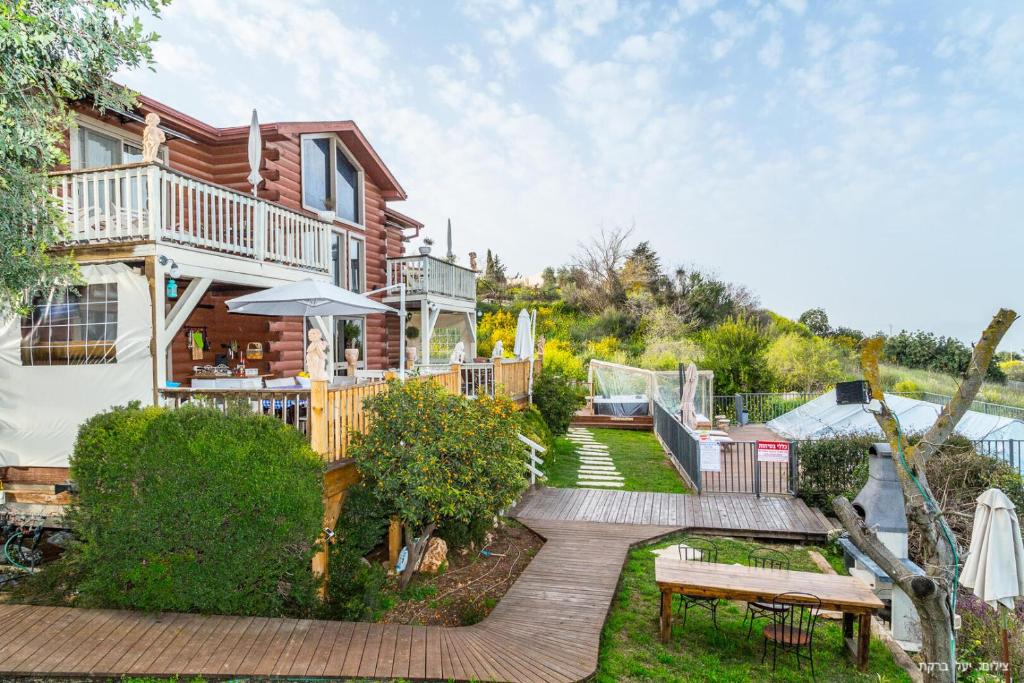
point(255, 152)
point(524, 336)
point(689, 411)
point(995, 564)
point(310, 298)
point(306, 298)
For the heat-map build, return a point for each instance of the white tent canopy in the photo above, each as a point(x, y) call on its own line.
point(307, 298)
point(822, 418)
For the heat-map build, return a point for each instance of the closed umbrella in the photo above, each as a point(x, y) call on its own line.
point(451, 254)
point(255, 152)
point(689, 411)
point(995, 565)
point(524, 337)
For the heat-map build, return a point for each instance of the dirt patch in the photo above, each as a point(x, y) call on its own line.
point(471, 585)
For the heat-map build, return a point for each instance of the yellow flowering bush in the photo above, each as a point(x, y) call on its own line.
point(433, 456)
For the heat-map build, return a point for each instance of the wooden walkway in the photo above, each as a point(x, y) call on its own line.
point(546, 628)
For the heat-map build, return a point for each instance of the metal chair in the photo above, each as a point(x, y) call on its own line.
point(699, 550)
point(763, 558)
point(792, 627)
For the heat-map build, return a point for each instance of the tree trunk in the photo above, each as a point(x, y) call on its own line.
point(415, 551)
point(931, 593)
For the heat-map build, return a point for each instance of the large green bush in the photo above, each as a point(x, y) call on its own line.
point(194, 510)
point(557, 399)
point(735, 352)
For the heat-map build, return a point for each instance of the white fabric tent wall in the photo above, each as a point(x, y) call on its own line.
point(41, 407)
point(822, 418)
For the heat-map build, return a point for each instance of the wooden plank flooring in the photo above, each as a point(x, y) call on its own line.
point(782, 517)
point(546, 628)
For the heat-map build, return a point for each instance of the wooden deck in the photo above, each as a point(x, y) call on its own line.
point(546, 628)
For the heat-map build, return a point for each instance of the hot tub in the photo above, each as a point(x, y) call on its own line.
point(622, 405)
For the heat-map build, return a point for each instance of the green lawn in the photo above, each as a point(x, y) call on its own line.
point(631, 649)
point(638, 456)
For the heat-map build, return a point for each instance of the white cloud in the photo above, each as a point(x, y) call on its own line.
point(795, 6)
point(586, 16)
point(692, 7)
point(648, 47)
point(770, 53)
point(731, 29)
point(554, 47)
point(819, 39)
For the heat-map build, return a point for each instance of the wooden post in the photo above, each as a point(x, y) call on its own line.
point(318, 442)
point(394, 542)
point(457, 369)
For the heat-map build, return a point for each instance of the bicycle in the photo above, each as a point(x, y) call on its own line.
point(21, 547)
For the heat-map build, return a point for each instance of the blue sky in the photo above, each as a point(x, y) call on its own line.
point(866, 157)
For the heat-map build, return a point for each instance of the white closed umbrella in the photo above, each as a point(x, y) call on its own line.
point(995, 564)
point(524, 337)
point(255, 152)
point(689, 392)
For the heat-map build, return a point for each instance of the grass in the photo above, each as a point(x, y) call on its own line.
point(637, 455)
point(631, 649)
point(940, 383)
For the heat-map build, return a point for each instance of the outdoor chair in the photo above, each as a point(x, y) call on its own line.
point(699, 550)
point(763, 558)
point(792, 628)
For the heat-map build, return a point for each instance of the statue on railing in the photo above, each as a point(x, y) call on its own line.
point(316, 356)
point(458, 354)
point(152, 138)
point(472, 261)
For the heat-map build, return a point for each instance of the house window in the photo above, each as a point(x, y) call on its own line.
point(331, 179)
point(443, 342)
point(349, 332)
point(96, 150)
point(356, 271)
point(338, 258)
point(71, 327)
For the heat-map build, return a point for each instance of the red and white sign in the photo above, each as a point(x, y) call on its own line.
point(773, 451)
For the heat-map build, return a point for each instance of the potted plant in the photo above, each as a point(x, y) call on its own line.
point(425, 248)
point(352, 333)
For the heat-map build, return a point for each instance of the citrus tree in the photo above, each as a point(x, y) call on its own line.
point(434, 456)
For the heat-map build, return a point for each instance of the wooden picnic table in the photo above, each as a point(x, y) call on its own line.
point(697, 579)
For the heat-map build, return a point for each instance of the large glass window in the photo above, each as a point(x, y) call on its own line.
point(355, 264)
point(71, 327)
point(330, 180)
point(97, 150)
point(338, 258)
point(316, 174)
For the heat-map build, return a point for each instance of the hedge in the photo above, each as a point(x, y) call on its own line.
point(194, 510)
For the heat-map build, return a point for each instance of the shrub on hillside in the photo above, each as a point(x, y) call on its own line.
point(557, 399)
point(735, 352)
point(534, 427)
point(802, 363)
point(560, 360)
point(195, 510)
point(833, 467)
point(433, 457)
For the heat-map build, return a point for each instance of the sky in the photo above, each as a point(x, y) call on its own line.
point(864, 157)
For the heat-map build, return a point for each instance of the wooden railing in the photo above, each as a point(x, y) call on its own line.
point(513, 378)
point(341, 409)
point(429, 275)
point(154, 203)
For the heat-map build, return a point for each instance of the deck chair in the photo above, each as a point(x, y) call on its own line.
point(764, 558)
point(792, 628)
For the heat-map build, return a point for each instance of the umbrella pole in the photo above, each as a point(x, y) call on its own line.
point(1003, 612)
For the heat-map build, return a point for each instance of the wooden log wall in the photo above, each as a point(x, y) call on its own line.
point(281, 338)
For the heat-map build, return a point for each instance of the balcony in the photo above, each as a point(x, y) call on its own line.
point(152, 203)
point(426, 276)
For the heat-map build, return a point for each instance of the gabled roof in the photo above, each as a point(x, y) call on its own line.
point(348, 131)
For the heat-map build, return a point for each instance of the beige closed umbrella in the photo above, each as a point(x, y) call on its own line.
point(688, 409)
point(994, 570)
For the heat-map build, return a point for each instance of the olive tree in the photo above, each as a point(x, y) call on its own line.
point(933, 594)
point(54, 53)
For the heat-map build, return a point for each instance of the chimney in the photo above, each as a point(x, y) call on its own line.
point(880, 502)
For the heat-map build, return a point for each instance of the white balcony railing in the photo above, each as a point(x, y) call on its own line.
point(150, 202)
point(429, 275)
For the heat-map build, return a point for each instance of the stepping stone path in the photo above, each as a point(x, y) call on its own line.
point(597, 469)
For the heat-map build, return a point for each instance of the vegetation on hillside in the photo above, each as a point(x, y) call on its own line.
point(616, 301)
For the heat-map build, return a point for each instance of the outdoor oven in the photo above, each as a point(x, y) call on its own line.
point(880, 504)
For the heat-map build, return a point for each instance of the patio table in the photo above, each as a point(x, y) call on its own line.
point(845, 594)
